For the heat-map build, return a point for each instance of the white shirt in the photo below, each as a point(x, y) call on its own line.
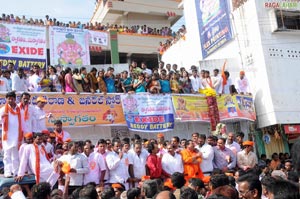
point(118, 167)
point(27, 126)
point(66, 136)
point(207, 157)
point(242, 85)
point(39, 123)
point(19, 84)
point(148, 71)
point(226, 89)
point(78, 162)
point(96, 166)
point(28, 161)
point(33, 82)
point(234, 147)
point(4, 85)
point(13, 129)
point(217, 83)
point(244, 159)
point(196, 83)
point(106, 177)
point(172, 164)
point(138, 163)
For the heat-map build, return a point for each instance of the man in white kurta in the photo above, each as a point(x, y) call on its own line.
point(40, 115)
point(246, 159)
point(78, 163)
point(137, 162)
point(242, 84)
point(195, 81)
point(118, 163)
point(19, 83)
point(34, 159)
point(4, 85)
point(172, 162)
point(207, 155)
point(27, 113)
point(101, 150)
point(12, 137)
point(96, 165)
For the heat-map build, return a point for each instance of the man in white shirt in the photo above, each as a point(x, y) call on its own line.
point(118, 163)
point(4, 85)
point(137, 163)
point(19, 82)
point(96, 165)
point(226, 87)
point(231, 144)
point(217, 81)
point(12, 134)
point(207, 155)
point(40, 115)
point(34, 158)
point(196, 81)
point(27, 113)
point(48, 147)
point(145, 69)
point(172, 162)
point(242, 84)
point(101, 150)
point(61, 135)
point(78, 164)
point(34, 79)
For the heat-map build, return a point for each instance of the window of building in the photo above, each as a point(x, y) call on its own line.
point(287, 19)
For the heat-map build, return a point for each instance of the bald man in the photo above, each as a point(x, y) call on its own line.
point(165, 195)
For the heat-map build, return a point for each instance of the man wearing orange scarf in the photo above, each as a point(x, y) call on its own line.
point(27, 112)
point(34, 158)
point(12, 134)
point(61, 135)
point(191, 161)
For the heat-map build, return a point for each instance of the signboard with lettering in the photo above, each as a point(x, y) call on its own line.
point(214, 24)
point(22, 45)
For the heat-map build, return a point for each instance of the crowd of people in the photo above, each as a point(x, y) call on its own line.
point(131, 168)
point(139, 29)
point(163, 79)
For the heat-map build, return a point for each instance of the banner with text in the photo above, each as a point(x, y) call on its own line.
point(80, 110)
point(195, 108)
point(98, 38)
point(148, 113)
point(236, 107)
point(190, 108)
point(69, 46)
point(214, 24)
point(22, 45)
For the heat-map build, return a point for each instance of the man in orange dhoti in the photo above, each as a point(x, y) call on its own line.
point(191, 161)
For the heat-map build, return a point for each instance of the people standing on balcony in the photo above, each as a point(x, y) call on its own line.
point(145, 69)
point(174, 83)
point(154, 85)
point(196, 81)
point(165, 83)
point(93, 80)
point(54, 78)
point(86, 85)
point(101, 82)
point(217, 82)
point(168, 67)
point(175, 68)
point(110, 80)
point(185, 83)
point(77, 80)
point(242, 84)
point(139, 84)
point(34, 79)
point(126, 82)
point(227, 88)
point(69, 81)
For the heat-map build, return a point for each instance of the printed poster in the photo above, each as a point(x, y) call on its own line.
point(22, 45)
point(190, 108)
point(80, 110)
point(98, 38)
point(236, 107)
point(148, 113)
point(69, 46)
point(214, 24)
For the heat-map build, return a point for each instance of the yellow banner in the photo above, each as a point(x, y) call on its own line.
point(80, 110)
